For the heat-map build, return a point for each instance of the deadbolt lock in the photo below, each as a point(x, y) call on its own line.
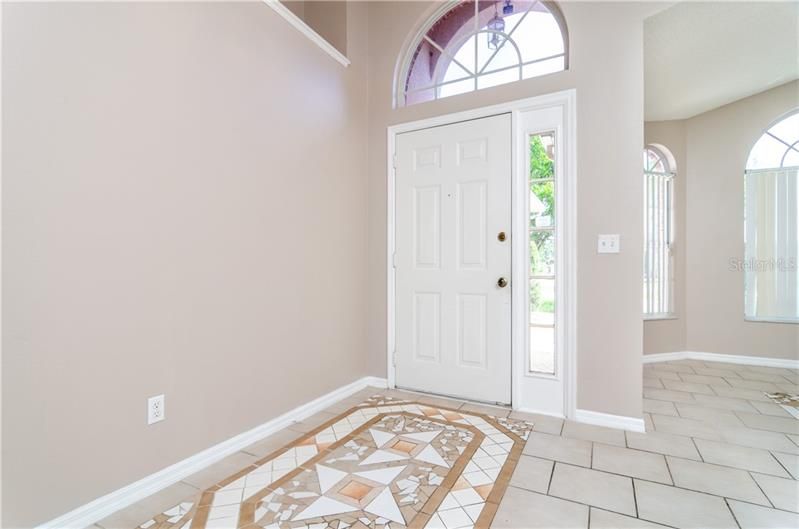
point(502, 282)
point(501, 236)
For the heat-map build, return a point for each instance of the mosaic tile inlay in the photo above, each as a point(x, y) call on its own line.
point(788, 401)
point(386, 463)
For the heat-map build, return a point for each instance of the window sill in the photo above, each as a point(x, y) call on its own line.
point(306, 30)
point(659, 317)
point(770, 320)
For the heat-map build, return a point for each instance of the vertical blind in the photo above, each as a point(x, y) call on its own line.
point(771, 240)
point(658, 196)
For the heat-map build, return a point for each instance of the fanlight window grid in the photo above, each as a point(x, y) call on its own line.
point(771, 225)
point(466, 49)
point(658, 235)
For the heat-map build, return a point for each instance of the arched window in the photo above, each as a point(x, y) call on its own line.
point(658, 232)
point(471, 45)
point(771, 234)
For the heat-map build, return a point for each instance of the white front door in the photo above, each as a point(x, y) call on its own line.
point(453, 259)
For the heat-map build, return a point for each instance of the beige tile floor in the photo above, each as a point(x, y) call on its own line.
point(717, 453)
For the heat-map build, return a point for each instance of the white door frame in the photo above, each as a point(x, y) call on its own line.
point(566, 268)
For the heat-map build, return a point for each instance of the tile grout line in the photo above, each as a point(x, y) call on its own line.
point(577, 502)
point(588, 505)
point(668, 468)
point(781, 465)
point(771, 503)
point(732, 513)
point(698, 451)
point(551, 477)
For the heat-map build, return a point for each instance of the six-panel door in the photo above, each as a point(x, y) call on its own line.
point(453, 316)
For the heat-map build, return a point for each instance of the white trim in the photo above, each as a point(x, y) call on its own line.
point(754, 319)
point(660, 317)
point(567, 99)
point(663, 357)
point(535, 411)
point(391, 247)
point(98, 509)
point(1, 288)
point(787, 363)
point(620, 422)
point(430, 16)
point(570, 263)
point(306, 30)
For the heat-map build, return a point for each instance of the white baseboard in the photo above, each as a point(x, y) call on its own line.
point(718, 357)
point(664, 357)
point(534, 411)
point(621, 422)
point(98, 509)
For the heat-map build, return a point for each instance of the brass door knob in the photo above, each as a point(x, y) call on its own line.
point(502, 282)
point(501, 236)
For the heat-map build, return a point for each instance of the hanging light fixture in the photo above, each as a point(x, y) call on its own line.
point(507, 9)
point(497, 23)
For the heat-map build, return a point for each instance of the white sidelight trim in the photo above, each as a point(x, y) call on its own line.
point(306, 30)
point(620, 422)
point(98, 509)
point(552, 394)
point(787, 363)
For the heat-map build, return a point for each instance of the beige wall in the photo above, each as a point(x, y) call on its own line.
point(329, 19)
point(668, 335)
point(607, 71)
point(296, 6)
point(718, 145)
point(326, 17)
point(184, 212)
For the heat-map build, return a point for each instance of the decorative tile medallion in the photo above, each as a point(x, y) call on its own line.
point(385, 463)
point(788, 401)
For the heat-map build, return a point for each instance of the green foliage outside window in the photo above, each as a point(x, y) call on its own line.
point(541, 167)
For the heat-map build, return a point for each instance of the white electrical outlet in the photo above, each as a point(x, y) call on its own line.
point(610, 243)
point(156, 409)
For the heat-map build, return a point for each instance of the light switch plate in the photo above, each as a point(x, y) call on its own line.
point(608, 243)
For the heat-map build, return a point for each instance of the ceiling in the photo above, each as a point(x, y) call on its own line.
point(703, 55)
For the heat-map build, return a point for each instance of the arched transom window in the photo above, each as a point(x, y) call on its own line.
point(771, 220)
point(473, 45)
point(778, 147)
